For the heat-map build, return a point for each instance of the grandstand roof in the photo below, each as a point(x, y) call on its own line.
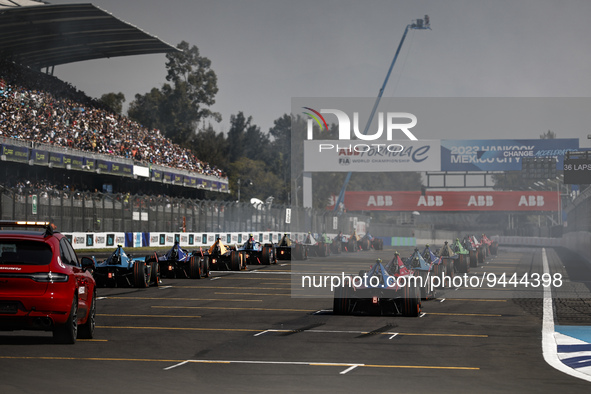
point(39, 34)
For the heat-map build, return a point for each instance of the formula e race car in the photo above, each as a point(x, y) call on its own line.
point(481, 249)
point(440, 266)
point(493, 246)
point(336, 247)
point(288, 249)
point(224, 258)
point(352, 244)
point(472, 251)
point(367, 242)
point(315, 247)
point(377, 293)
point(463, 262)
point(421, 268)
point(179, 263)
point(450, 257)
point(253, 252)
point(121, 269)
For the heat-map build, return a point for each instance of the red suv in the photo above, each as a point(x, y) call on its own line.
point(43, 286)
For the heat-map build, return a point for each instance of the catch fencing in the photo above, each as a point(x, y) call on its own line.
point(106, 212)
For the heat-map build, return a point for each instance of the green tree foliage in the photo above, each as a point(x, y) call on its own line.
point(257, 179)
point(114, 101)
point(177, 108)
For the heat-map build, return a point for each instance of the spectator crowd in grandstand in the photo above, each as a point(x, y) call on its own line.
point(39, 108)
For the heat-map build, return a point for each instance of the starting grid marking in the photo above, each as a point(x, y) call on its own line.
point(392, 334)
point(178, 363)
point(350, 366)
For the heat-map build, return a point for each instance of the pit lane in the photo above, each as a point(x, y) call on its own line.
point(243, 331)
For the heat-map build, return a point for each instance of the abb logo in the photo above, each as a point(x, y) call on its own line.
point(379, 201)
point(430, 201)
point(481, 201)
point(531, 201)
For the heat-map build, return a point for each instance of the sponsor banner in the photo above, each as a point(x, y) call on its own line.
point(224, 187)
point(501, 155)
point(133, 240)
point(89, 164)
point(371, 156)
point(452, 201)
point(75, 162)
point(167, 177)
point(122, 169)
point(95, 240)
point(177, 179)
point(56, 160)
point(190, 181)
point(104, 166)
point(40, 157)
point(157, 175)
point(16, 153)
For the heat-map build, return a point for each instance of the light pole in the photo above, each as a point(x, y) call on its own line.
point(238, 190)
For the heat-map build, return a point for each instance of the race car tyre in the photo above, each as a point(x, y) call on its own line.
point(411, 304)
point(205, 266)
point(473, 258)
point(480, 256)
point(298, 253)
point(462, 266)
point(235, 261)
point(86, 330)
point(341, 302)
point(494, 248)
point(155, 274)
point(352, 246)
point(267, 255)
point(336, 247)
point(68, 332)
point(194, 267)
point(437, 271)
point(365, 244)
point(141, 278)
point(152, 260)
point(449, 268)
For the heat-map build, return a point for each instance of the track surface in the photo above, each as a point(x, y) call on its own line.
point(243, 332)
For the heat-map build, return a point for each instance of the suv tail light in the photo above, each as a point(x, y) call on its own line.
point(49, 277)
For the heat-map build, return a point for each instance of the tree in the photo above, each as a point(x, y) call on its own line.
point(549, 135)
point(113, 101)
point(246, 140)
point(211, 147)
point(177, 109)
point(263, 181)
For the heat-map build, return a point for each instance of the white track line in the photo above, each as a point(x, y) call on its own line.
point(352, 367)
point(549, 347)
point(176, 365)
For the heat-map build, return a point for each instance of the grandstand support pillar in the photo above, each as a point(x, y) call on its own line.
point(307, 189)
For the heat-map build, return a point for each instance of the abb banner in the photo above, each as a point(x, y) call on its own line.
point(451, 201)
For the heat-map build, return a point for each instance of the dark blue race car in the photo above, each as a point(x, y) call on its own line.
point(179, 263)
point(255, 252)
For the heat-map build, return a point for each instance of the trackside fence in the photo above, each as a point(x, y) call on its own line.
point(126, 213)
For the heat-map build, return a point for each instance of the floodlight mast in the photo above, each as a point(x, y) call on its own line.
point(419, 24)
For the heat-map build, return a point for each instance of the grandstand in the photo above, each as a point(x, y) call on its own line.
point(49, 131)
